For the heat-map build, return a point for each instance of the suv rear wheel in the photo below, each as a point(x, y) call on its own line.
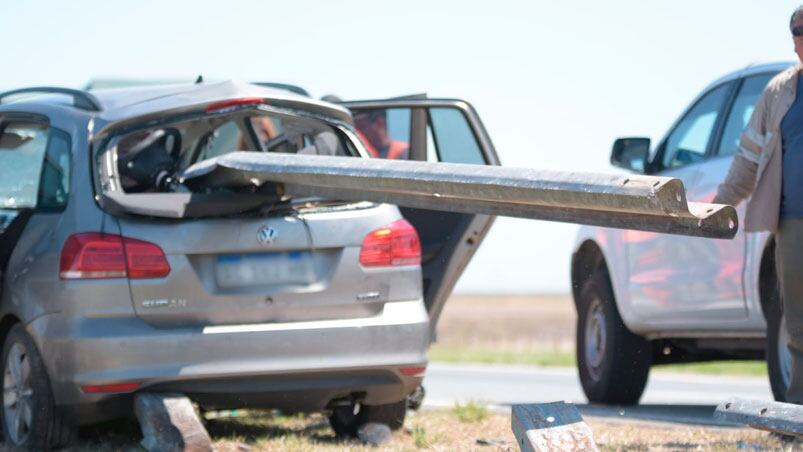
point(613, 363)
point(779, 359)
point(30, 419)
point(346, 419)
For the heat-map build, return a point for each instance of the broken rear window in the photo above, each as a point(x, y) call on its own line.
point(149, 160)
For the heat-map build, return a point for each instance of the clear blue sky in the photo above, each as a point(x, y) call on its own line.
point(555, 81)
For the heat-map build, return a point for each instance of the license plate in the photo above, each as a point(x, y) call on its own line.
point(260, 269)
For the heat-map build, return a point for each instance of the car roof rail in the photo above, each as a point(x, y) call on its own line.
point(81, 99)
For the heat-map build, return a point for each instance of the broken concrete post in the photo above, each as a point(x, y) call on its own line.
point(555, 426)
point(169, 423)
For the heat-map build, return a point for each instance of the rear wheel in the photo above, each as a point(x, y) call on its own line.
point(29, 416)
point(779, 358)
point(613, 363)
point(346, 419)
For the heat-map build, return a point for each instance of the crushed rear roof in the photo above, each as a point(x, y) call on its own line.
point(123, 103)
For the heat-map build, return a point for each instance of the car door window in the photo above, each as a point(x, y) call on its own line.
point(741, 112)
point(385, 132)
point(34, 166)
point(55, 180)
point(689, 141)
point(454, 140)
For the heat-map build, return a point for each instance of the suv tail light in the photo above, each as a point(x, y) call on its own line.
point(93, 255)
point(394, 245)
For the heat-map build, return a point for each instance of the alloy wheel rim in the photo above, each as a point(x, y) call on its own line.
point(17, 394)
point(784, 355)
point(595, 339)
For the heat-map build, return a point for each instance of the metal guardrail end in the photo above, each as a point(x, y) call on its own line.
point(784, 418)
point(716, 217)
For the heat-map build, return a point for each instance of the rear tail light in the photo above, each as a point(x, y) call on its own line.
point(145, 260)
point(94, 255)
point(413, 371)
point(233, 104)
point(393, 245)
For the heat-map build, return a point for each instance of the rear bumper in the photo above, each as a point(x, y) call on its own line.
point(299, 366)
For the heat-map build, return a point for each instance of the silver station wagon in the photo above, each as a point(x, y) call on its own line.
point(117, 278)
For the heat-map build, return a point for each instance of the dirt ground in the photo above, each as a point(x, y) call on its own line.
point(512, 322)
point(439, 430)
point(446, 430)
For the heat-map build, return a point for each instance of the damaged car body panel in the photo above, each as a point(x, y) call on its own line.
point(306, 272)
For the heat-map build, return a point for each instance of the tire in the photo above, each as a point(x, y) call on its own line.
point(613, 363)
point(779, 359)
point(29, 416)
point(345, 420)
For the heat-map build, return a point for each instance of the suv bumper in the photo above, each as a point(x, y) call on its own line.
point(299, 366)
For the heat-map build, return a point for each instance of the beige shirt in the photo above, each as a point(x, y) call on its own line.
point(756, 169)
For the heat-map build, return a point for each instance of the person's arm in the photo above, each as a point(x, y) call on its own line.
point(741, 179)
point(739, 183)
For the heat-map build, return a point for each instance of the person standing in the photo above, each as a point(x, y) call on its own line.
point(769, 166)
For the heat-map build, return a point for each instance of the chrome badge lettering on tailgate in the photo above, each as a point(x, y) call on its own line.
point(165, 303)
point(368, 296)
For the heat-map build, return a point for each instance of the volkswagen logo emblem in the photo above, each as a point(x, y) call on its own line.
point(266, 235)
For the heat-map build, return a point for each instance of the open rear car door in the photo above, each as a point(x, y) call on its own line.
point(434, 130)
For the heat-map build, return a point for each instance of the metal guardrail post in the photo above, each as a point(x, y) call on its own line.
point(784, 418)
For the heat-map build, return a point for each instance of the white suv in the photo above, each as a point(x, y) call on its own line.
point(645, 298)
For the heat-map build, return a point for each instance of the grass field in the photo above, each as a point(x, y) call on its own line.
point(535, 330)
point(547, 358)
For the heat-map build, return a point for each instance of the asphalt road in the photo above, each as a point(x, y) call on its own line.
point(680, 398)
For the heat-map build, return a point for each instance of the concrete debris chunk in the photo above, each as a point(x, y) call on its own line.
point(170, 424)
point(547, 427)
point(374, 433)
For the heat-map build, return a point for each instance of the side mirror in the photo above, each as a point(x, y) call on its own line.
point(630, 153)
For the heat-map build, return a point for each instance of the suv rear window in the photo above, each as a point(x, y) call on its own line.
point(34, 166)
point(148, 160)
